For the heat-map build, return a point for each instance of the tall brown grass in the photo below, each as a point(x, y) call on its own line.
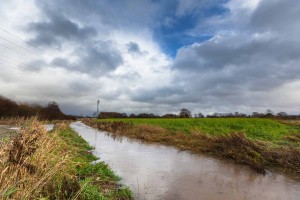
point(31, 163)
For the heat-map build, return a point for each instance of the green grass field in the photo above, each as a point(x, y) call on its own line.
point(258, 129)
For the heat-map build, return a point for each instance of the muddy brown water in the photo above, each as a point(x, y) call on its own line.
point(155, 171)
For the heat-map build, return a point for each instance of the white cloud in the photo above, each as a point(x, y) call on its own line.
point(251, 59)
point(71, 83)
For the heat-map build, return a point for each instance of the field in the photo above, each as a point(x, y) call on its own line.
point(254, 128)
point(259, 143)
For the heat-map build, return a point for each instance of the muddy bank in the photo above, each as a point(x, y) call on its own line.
point(154, 171)
point(260, 156)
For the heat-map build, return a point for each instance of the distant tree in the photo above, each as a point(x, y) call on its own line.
point(169, 116)
point(132, 116)
point(237, 114)
point(269, 113)
point(27, 110)
point(257, 114)
point(230, 115)
point(200, 115)
point(282, 114)
point(216, 115)
point(94, 114)
point(112, 115)
point(185, 113)
point(147, 115)
point(52, 111)
point(8, 107)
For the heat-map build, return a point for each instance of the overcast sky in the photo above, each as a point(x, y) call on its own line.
point(152, 55)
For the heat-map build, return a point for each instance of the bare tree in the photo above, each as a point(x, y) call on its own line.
point(200, 115)
point(185, 113)
point(269, 113)
point(282, 114)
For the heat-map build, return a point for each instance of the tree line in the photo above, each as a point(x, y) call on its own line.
point(186, 113)
point(52, 111)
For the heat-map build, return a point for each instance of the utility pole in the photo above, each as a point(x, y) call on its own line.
point(98, 102)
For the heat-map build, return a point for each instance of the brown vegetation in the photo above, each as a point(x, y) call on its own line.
point(236, 146)
point(56, 165)
point(29, 164)
point(10, 108)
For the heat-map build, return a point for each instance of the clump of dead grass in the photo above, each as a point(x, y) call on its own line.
point(294, 137)
point(286, 157)
point(237, 147)
point(29, 163)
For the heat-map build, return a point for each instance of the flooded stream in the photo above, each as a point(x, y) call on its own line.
point(158, 172)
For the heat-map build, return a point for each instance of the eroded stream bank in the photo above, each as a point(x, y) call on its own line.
point(157, 172)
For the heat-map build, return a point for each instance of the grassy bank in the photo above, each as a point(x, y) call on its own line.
point(258, 143)
point(257, 129)
point(55, 165)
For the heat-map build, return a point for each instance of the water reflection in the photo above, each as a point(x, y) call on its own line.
point(48, 127)
point(158, 172)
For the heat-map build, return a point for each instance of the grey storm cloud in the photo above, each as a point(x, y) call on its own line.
point(100, 59)
point(93, 56)
point(134, 49)
point(159, 95)
point(108, 14)
point(94, 59)
point(261, 57)
point(277, 15)
point(56, 29)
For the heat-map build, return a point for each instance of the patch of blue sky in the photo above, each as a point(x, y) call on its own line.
point(174, 31)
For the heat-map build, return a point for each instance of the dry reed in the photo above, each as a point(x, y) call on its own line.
point(30, 162)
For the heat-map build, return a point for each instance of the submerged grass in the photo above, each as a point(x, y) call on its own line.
point(237, 145)
point(55, 165)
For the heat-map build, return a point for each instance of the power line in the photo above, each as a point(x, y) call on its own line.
point(26, 49)
point(27, 55)
point(6, 63)
point(31, 54)
point(41, 49)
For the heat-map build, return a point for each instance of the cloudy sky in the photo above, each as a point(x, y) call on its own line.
point(152, 55)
